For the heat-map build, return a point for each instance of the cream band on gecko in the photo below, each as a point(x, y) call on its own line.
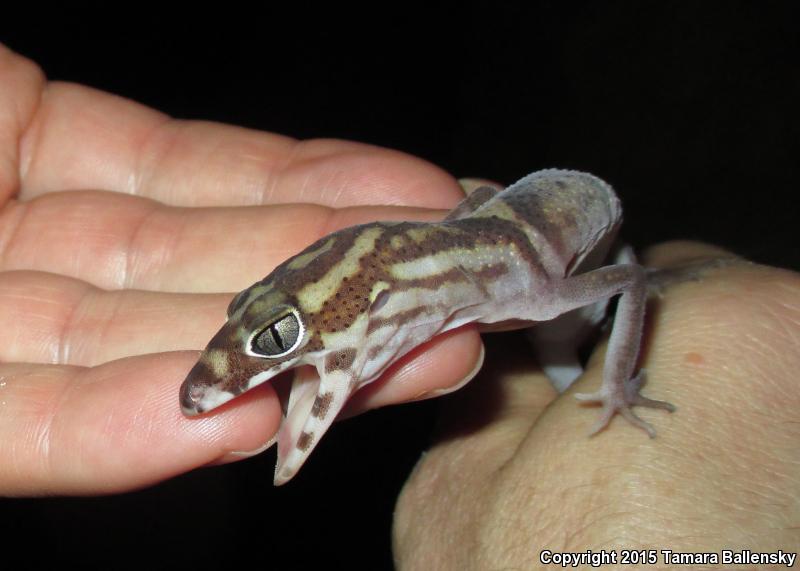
point(357, 300)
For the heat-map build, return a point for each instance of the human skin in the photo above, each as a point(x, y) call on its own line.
point(107, 271)
point(722, 473)
point(108, 264)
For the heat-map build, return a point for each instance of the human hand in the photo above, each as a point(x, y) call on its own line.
point(117, 225)
point(515, 473)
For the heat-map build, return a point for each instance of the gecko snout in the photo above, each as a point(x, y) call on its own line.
point(191, 397)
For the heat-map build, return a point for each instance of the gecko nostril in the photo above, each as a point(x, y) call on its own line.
point(190, 396)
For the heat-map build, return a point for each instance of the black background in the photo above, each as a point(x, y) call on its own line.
point(689, 109)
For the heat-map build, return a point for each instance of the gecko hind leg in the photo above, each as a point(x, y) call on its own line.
point(621, 386)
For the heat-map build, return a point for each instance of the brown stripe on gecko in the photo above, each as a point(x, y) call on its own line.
point(287, 279)
point(321, 406)
point(468, 233)
point(496, 231)
point(435, 281)
point(458, 274)
point(339, 312)
point(569, 215)
point(203, 374)
point(351, 299)
point(305, 440)
point(340, 360)
point(227, 369)
point(398, 319)
point(242, 368)
point(438, 238)
point(374, 351)
point(491, 272)
point(532, 210)
point(480, 277)
point(237, 301)
point(472, 202)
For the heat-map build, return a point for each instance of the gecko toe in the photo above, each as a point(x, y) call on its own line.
point(631, 417)
point(633, 396)
point(621, 403)
point(602, 422)
point(652, 403)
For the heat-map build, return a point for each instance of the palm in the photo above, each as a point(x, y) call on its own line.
point(112, 256)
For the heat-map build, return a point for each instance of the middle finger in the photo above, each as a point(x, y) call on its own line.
point(117, 241)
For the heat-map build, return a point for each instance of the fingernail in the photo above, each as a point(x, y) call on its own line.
point(241, 454)
point(447, 390)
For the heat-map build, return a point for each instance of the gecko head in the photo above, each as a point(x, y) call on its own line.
point(312, 310)
point(240, 357)
point(249, 351)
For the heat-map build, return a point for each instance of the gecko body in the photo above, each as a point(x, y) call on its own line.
point(357, 300)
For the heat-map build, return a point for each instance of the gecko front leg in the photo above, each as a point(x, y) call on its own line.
point(620, 389)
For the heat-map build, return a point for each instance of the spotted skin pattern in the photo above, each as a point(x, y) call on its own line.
point(357, 300)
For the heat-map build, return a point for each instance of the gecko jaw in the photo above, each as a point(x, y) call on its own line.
point(304, 388)
point(314, 403)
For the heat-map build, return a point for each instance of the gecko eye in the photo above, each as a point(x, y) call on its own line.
point(278, 338)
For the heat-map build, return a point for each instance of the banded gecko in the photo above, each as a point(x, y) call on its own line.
point(357, 300)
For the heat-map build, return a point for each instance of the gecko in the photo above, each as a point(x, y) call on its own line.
point(355, 301)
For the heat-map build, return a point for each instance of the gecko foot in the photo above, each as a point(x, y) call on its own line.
point(616, 401)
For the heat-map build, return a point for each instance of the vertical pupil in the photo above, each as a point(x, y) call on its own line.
point(276, 337)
